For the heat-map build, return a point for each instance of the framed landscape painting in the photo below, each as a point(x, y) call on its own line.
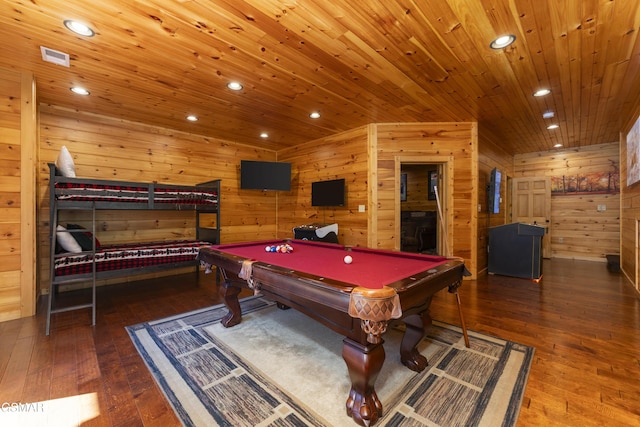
point(633, 154)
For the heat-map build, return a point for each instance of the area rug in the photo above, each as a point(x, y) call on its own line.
point(281, 368)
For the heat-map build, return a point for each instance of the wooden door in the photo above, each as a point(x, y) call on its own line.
point(532, 205)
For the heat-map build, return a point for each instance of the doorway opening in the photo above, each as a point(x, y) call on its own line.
point(422, 206)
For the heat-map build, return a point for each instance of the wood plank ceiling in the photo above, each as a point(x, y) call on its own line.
point(353, 61)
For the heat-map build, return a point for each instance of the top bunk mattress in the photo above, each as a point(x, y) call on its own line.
point(147, 193)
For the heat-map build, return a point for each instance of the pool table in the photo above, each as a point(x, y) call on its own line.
point(355, 299)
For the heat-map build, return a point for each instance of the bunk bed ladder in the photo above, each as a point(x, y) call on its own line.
point(53, 220)
point(51, 308)
point(207, 233)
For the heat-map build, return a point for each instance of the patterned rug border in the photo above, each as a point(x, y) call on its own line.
point(148, 340)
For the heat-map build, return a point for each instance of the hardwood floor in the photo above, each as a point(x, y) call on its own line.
point(583, 321)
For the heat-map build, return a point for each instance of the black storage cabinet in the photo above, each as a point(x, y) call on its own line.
point(516, 250)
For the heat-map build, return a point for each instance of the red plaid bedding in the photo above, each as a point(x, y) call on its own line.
point(110, 258)
point(119, 193)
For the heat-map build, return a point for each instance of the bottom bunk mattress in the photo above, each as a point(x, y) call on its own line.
point(119, 257)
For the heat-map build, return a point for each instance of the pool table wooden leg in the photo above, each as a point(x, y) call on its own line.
point(229, 294)
point(417, 325)
point(364, 363)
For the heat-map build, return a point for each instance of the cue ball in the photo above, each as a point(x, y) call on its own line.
point(348, 259)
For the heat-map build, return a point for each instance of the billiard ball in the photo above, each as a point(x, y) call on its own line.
point(348, 259)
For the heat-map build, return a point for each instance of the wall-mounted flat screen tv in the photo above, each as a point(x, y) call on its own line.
point(328, 193)
point(258, 175)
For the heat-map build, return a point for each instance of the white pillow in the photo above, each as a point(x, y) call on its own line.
point(67, 241)
point(64, 163)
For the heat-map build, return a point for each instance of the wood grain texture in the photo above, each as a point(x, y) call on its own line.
point(10, 228)
point(455, 140)
point(629, 213)
point(491, 155)
point(107, 148)
point(341, 156)
point(578, 229)
point(18, 131)
point(418, 188)
point(28, 222)
point(103, 147)
point(583, 321)
point(155, 61)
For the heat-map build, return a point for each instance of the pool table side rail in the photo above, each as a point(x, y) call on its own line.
point(268, 276)
point(233, 263)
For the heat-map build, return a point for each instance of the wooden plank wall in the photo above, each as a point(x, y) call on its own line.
point(367, 157)
point(578, 229)
point(10, 249)
point(116, 149)
point(490, 156)
point(418, 188)
point(343, 155)
point(629, 215)
point(109, 148)
point(18, 130)
point(454, 141)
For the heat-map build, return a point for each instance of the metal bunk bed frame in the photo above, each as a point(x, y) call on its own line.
point(203, 233)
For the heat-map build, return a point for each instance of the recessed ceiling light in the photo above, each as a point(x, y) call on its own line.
point(79, 28)
point(264, 135)
point(79, 90)
point(234, 86)
point(502, 41)
point(542, 92)
point(192, 118)
point(548, 115)
point(557, 146)
point(553, 127)
point(314, 115)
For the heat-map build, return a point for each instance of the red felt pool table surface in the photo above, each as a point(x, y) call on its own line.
point(356, 300)
point(371, 268)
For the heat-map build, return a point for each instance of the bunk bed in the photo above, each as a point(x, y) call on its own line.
point(76, 254)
